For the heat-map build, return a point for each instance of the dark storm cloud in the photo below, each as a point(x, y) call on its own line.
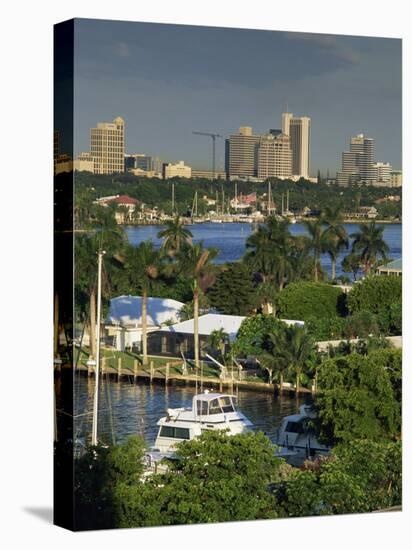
point(167, 80)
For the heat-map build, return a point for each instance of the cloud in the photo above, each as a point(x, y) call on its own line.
point(335, 46)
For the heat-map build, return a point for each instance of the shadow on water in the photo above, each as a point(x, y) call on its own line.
point(43, 513)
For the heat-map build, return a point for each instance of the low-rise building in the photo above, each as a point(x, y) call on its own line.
point(180, 169)
point(123, 325)
point(396, 178)
point(176, 339)
point(130, 207)
point(393, 268)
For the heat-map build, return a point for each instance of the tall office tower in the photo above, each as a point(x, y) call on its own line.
point(241, 153)
point(298, 128)
point(300, 142)
point(274, 156)
point(286, 118)
point(107, 147)
point(357, 163)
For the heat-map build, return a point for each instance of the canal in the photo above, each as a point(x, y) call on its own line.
point(128, 409)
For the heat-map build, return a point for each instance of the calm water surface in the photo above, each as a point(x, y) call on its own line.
point(230, 239)
point(128, 409)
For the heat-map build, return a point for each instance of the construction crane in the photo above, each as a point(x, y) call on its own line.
point(213, 136)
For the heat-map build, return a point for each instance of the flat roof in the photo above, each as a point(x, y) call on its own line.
point(216, 321)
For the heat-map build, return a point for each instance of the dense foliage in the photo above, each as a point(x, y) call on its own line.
point(230, 478)
point(381, 296)
point(359, 396)
point(361, 476)
point(306, 300)
point(233, 292)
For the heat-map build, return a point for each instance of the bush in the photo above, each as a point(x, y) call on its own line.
point(375, 294)
point(359, 396)
point(328, 328)
point(361, 476)
point(362, 324)
point(253, 333)
point(307, 300)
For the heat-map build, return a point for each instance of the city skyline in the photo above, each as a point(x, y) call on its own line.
point(226, 78)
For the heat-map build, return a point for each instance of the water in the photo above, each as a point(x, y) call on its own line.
point(128, 409)
point(230, 239)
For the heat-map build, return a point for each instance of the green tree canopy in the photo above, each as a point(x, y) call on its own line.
point(305, 300)
point(233, 292)
point(358, 397)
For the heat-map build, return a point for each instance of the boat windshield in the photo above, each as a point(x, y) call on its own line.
point(226, 404)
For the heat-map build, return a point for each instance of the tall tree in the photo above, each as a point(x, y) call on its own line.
point(369, 242)
point(143, 264)
point(196, 263)
point(299, 348)
point(269, 252)
point(174, 236)
point(335, 234)
point(317, 242)
point(274, 357)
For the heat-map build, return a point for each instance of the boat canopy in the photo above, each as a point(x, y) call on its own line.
point(214, 403)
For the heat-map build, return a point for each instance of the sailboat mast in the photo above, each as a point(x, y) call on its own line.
point(282, 204)
point(269, 199)
point(97, 367)
point(173, 198)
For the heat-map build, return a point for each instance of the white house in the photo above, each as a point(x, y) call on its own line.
point(123, 324)
point(178, 338)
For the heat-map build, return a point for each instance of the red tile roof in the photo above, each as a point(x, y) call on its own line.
point(124, 199)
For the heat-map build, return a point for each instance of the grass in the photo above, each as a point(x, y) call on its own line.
point(112, 356)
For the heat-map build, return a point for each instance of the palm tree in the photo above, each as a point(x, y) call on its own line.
point(174, 236)
point(218, 340)
point(269, 253)
point(333, 246)
point(274, 359)
point(351, 264)
point(298, 349)
point(143, 264)
point(369, 242)
point(196, 262)
point(335, 234)
point(317, 242)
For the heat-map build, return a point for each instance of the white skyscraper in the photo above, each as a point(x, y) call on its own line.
point(298, 128)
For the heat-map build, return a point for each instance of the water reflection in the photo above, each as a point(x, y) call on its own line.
point(128, 409)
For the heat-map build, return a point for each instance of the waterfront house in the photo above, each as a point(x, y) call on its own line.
point(393, 268)
point(123, 325)
point(172, 341)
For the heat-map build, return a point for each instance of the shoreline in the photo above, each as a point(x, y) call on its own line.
point(345, 221)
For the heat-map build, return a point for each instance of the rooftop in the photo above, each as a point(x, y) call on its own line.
point(395, 265)
point(127, 311)
point(215, 321)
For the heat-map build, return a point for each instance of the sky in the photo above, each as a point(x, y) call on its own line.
point(169, 80)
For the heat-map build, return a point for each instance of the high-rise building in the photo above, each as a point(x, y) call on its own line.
point(274, 156)
point(300, 142)
point(107, 145)
point(241, 153)
point(298, 128)
point(357, 163)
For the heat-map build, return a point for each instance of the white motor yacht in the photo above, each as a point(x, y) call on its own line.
point(296, 434)
point(210, 411)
